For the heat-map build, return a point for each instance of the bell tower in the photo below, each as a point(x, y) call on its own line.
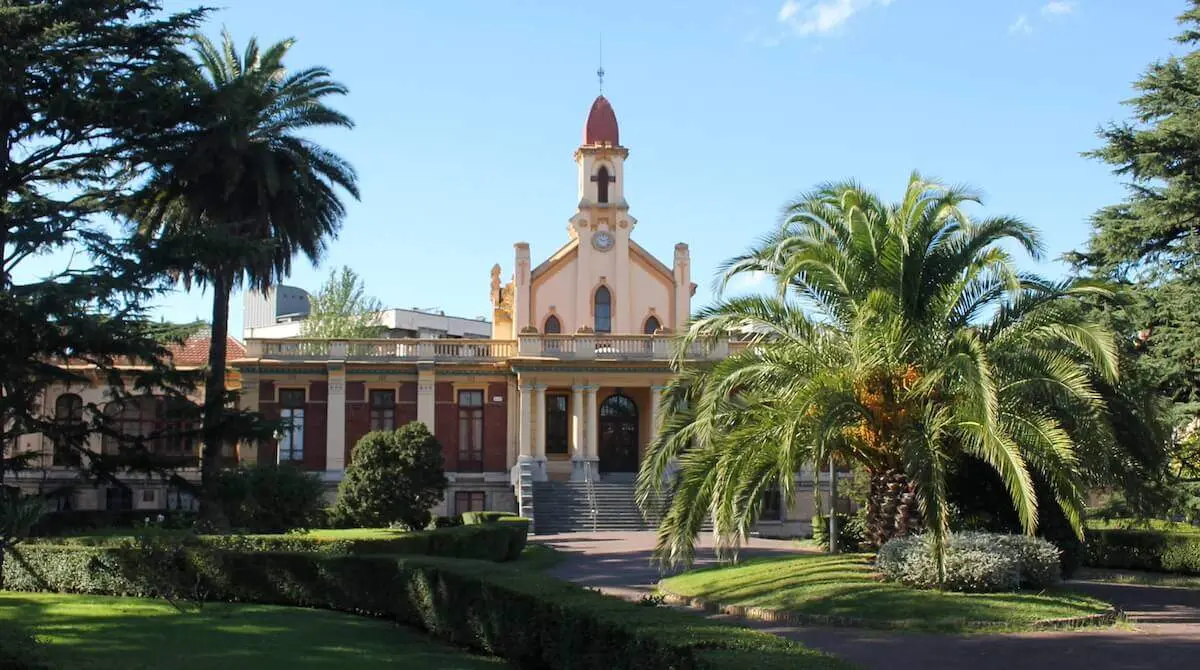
point(601, 159)
point(602, 224)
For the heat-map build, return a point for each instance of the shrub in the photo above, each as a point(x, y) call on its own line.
point(393, 476)
point(1154, 550)
point(70, 522)
point(445, 522)
point(271, 498)
point(19, 650)
point(473, 518)
point(531, 621)
point(974, 562)
point(852, 532)
point(489, 542)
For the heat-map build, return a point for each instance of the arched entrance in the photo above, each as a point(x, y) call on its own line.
point(618, 434)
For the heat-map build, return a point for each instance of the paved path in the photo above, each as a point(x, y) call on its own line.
point(1165, 631)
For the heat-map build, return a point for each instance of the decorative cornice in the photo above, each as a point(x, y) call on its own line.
point(319, 371)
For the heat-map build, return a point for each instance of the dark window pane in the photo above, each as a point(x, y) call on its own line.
point(603, 310)
point(291, 397)
point(557, 424)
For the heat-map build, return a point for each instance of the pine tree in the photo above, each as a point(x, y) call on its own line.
point(1151, 241)
point(87, 92)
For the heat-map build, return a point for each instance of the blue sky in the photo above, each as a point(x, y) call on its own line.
point(468, 114)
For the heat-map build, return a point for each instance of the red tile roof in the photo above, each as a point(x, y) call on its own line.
point(601, 126)
point(194, 352)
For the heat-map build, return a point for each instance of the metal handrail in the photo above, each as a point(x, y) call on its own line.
point(591, 493)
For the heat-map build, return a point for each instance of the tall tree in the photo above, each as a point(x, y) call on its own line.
point(243, 180)
point(1152, 239)
point(900, 336)
point(85, 92)
point(342, 309)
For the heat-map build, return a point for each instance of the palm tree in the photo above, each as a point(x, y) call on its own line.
point(245, 191)
point(899, 337)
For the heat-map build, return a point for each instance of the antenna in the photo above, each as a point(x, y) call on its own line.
point(600, 70)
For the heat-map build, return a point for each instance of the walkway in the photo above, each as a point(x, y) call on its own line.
point(1165, 632)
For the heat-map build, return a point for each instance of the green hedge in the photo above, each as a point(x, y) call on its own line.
point(475, 518)
point(1144, 550)
point(532, 621)
point(491, 542)
point(66, 522)
point(18, 649)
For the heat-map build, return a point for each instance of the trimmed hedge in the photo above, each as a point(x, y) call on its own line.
point(1153, 550)
point(19, 650)
point(490, 542)
point(475, 518)
point(81, 521)
point(532, 621)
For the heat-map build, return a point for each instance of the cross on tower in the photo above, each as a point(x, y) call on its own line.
point(603, 179)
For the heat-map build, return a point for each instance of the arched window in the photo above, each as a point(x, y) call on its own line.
point(652, 326)
point(553, 325)
point(602, 310)
point(68, 414)
point(603, 179)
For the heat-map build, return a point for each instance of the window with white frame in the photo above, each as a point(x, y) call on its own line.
point(291, 413)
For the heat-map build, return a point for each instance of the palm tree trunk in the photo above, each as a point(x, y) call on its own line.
point(892, 509)
point(213, 427)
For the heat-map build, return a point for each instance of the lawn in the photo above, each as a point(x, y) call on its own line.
point(845, 586)
point(1142, 524)
point(94, 632)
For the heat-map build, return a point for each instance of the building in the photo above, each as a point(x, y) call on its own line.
point(280, 312)
point(57, 472)
point(552, 410)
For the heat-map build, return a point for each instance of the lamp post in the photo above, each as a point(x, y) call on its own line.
point(833, 527)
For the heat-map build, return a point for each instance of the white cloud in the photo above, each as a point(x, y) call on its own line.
point(821, 17)
point(746, 282)
point(1058, 8)
point(1021, 26)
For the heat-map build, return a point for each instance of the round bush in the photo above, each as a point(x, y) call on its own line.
point(974, 562)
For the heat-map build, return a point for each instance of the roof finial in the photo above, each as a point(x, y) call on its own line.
point(600, 70)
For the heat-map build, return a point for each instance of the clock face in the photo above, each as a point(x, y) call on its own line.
point(603, 240)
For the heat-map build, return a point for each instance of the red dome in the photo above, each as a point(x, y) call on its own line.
point(601, 127)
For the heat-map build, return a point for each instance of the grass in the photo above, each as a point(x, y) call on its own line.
point(95, 632)
point(538, 558)
point(353, 533)
point(1142, 524)
point(845, 586)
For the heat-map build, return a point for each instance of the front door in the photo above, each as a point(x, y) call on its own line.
point(618, 434)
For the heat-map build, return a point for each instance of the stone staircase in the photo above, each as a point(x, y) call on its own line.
point(563, 507)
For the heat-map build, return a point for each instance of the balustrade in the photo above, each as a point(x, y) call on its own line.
point(583, 346)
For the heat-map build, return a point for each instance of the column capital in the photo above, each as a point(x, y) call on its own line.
point(538, 386)
point(525, 388)
point(591, 388)
point(658, 387)
point(578, 388)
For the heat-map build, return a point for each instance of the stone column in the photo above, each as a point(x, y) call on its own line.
point(524, 438)
point(578, 434)
point(656, 391)
point(426, 408)
point(335, 419)
point(593, 430)
point(511, 434)
point(538, 429)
